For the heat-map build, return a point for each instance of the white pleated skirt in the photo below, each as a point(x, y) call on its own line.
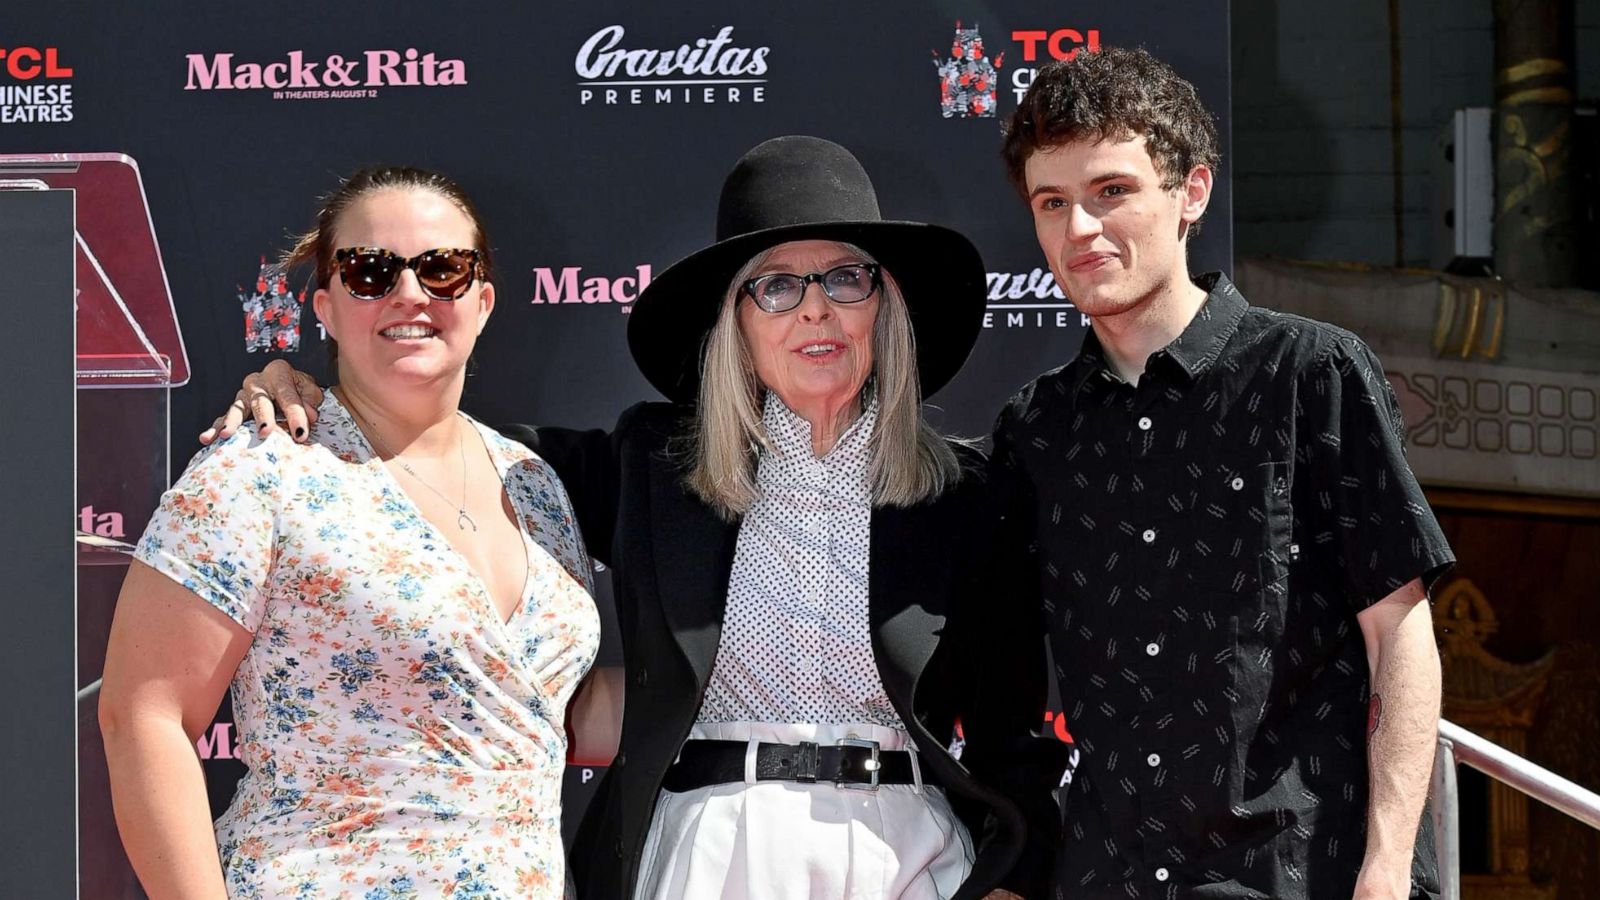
point(782, 840)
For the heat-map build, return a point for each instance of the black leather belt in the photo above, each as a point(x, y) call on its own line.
point(849, 763)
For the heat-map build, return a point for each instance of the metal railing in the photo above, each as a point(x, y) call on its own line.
point(1456, 744)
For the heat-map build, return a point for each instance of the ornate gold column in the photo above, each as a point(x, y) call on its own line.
point(1498, 700)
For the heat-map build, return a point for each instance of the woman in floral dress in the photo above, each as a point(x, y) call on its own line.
point(402, 605)
point(777, 601)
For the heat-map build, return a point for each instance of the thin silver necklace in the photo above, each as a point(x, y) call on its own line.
point(463, 520)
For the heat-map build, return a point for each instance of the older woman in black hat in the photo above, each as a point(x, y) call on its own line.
point(831, 692)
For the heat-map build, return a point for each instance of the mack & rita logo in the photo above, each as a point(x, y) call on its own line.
point(335, 77)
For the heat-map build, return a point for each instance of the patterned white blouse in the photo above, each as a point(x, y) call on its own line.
point(795, 663)
point(402, 739)
point(796, 640)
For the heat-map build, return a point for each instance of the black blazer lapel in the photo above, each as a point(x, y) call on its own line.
point(693, 557)
point(910, 591)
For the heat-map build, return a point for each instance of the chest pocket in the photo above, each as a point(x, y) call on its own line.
point(1241, 528)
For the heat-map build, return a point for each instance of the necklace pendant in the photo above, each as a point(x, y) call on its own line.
point(463, 521)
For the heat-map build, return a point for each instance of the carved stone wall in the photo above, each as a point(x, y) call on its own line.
point(1479, 425)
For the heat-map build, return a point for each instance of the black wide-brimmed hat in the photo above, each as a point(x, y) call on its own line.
point(805, 188)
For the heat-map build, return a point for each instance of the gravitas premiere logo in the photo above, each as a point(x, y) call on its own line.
point(1029, 300)
point(711, 70)
point(337, 77)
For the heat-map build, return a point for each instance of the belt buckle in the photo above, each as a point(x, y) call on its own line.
point(872, 765)
point(805, 762)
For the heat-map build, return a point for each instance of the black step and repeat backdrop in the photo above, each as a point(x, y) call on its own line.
point(594, 136)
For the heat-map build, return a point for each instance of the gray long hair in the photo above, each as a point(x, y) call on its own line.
point(910, 462)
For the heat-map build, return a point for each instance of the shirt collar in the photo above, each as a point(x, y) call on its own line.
point(1201, 343)
point(790, 434)
point(1194, 350)
point(1091, 363)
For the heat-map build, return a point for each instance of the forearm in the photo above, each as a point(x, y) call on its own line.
point(594, 717)
point(159, 795)
point(1403, 731)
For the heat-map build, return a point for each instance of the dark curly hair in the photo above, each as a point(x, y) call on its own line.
point(316, 246)
point(1116, 93)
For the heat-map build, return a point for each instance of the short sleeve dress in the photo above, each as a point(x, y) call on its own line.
point(402, 739)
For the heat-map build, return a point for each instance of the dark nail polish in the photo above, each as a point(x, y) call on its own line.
point(300, 433)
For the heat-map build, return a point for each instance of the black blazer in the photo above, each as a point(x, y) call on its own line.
point(947, 639)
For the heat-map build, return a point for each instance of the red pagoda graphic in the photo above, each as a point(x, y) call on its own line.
point(271, 312)
point(967, 79)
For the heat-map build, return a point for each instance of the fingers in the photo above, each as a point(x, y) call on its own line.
point(234, 417)
point(310, 391)
point(278, 387)
point(261, 408)
point(296, 394)
point(227, 423)
point(211, 434)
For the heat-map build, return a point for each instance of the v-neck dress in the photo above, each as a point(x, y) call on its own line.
point(402, 739)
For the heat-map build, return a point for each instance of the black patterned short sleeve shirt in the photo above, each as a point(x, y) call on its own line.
point(1205, 539)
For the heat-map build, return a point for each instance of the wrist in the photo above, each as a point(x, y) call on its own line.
point(1383, 882)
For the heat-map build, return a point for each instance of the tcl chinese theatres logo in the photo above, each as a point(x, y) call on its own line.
point(34, 87)
point(1062, 44)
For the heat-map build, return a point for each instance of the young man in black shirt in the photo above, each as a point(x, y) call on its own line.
point(1233, 554)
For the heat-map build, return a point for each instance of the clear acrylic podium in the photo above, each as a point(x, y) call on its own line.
point(129, 355)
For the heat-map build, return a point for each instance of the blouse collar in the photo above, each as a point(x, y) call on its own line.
point(790, 436)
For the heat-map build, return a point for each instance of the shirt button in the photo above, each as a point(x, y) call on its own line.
point(1152, 648)
point(1145, 423)
point(641, 677)
point(1149, 535)
point(1153, 759)
point(620, 761)
point(1162, 874)
point(1237, 484)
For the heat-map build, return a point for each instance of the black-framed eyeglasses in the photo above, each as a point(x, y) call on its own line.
point(780, 292)
point(370, 273)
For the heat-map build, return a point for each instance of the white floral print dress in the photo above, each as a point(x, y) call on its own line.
point(402, 740)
